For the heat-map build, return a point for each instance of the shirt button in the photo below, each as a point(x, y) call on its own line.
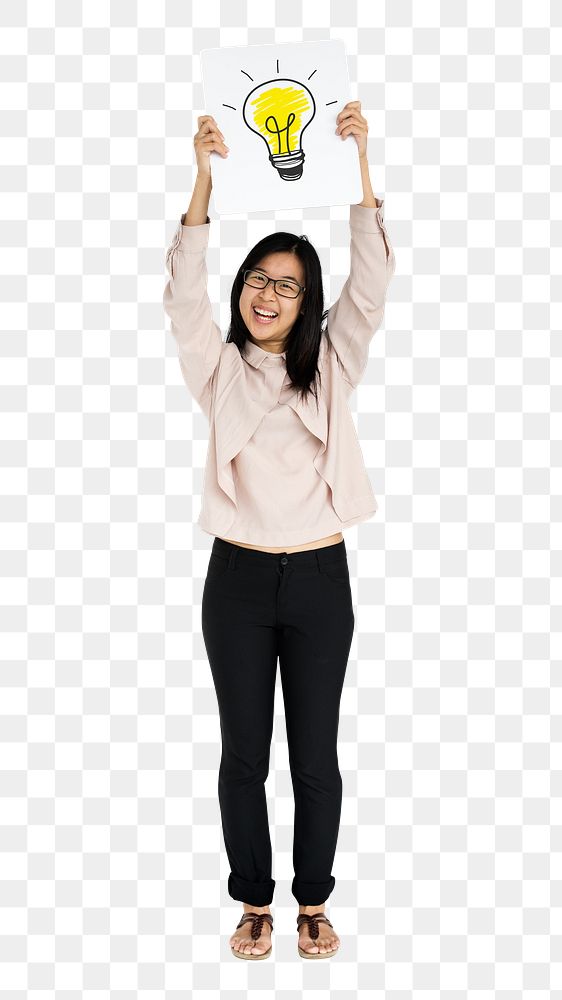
point(284, 561)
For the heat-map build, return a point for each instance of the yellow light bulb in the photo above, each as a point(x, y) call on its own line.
point(279, 111)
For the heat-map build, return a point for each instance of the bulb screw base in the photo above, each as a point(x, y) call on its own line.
point(289, 165)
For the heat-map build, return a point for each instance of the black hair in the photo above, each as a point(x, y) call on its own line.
point(302, 344)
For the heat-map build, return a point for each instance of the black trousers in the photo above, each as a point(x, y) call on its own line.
point(258, 607)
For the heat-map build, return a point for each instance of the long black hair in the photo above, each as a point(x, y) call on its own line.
point(303, 341)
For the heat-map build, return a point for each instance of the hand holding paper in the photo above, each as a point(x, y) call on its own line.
point(279, 106)
point(350, 121)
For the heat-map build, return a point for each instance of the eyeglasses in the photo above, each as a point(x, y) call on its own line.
point(283, 286)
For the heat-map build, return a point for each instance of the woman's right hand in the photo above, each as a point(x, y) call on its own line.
point(209, 139)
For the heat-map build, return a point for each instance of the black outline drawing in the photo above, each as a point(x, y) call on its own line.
point(289, 165)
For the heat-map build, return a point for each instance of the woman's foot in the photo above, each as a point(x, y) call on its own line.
point(242, 940)
point(327, 940)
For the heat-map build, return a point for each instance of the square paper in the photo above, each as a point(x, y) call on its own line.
point(277, 106)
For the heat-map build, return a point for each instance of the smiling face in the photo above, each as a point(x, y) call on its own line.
point(272, 335)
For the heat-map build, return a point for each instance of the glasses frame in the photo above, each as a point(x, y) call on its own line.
point(251, 270)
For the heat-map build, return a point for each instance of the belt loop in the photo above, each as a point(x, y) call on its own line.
point(317, 554)
point(232, 557)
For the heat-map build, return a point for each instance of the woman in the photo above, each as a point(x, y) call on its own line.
point(284, 476)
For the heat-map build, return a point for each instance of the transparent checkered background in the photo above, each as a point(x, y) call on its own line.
point(448, 870)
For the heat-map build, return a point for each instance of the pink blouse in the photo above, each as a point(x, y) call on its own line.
point(279, 472)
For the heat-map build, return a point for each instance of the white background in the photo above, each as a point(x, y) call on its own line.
point(448, 869)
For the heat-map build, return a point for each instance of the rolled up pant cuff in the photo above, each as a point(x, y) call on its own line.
point(312, 893)
point(253, 893)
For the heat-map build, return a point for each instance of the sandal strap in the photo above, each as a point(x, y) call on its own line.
point(258, 920)
point(312, 920)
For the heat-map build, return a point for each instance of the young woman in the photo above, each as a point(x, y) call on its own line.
point(284, 476)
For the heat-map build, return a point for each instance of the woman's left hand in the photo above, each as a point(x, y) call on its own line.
point(350, 121)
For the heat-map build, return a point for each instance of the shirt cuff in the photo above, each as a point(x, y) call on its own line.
point(368, 219)
point(193, 238)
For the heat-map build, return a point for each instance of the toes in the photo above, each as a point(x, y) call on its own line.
point(247, 947)
point(324, 948)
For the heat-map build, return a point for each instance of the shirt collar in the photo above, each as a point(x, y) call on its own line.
point(256, 355)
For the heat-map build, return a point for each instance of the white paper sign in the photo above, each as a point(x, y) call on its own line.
point(277, 106)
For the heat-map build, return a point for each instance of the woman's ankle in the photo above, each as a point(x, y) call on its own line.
point(255, 909)
point(312, 909)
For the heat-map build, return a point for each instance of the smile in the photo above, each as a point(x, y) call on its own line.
point(263, 319)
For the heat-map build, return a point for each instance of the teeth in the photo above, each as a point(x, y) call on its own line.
point(261, 312)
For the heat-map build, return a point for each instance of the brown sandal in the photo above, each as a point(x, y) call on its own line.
point(257, 925)
point(313, 919)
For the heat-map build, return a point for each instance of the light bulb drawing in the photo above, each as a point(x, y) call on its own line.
point(279, 111)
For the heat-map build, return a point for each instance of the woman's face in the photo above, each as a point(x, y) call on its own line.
point(272, 335)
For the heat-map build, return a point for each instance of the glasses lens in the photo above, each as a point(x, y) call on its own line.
point(287, 288)
point(255, 278)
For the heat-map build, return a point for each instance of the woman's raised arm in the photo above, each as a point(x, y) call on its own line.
point(185, 299)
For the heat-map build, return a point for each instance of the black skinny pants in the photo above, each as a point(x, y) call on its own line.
point(258, 607)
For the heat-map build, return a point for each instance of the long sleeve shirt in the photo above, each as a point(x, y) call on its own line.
point(279, 472)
